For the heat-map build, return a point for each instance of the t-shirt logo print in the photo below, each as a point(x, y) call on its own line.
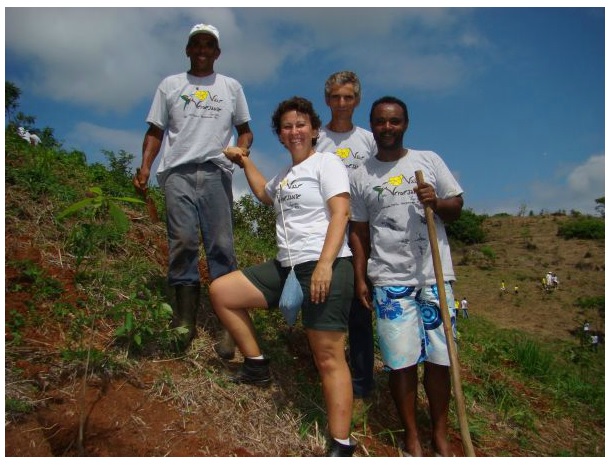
point(391, 186)
point(196, 97)
point(342, 153)
point(345, 152)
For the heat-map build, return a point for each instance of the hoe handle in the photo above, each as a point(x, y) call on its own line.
point(447, 327)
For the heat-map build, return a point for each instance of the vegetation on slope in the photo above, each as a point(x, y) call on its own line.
point(87, 316)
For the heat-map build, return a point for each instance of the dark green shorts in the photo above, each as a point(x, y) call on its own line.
point(331, 315)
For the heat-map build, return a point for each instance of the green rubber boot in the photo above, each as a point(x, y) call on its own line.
point(185, 314)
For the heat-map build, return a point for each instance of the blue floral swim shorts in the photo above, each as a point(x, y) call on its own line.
point(409, 325)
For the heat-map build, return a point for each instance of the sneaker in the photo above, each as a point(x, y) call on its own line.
point(338, 449)
point(253, 371)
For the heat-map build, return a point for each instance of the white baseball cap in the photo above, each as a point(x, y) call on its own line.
point(205, 29)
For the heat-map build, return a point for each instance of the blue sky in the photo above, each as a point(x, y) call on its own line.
point(513, 99)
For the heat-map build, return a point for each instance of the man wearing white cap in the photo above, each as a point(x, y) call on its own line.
point(196, 113)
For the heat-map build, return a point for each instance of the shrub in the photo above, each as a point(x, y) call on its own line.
point(585, 227)
point(468, 228)
point(596, 303)
point(488, 252)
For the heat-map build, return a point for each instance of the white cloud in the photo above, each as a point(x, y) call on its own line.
point(111, 59)
point(565, 189)
point(107, 58)
point(576, 189)
point(588, 179)
point(88, 135)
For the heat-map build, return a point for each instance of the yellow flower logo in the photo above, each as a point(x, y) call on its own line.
point(396, 180)
point(201, 95)
point(342, 153)
point(283, 183)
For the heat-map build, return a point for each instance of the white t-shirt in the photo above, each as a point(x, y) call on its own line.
point(300, 194)
point(34, 139)
point(353, 147)
point(25, 135)
point(382, 194)
point(198, 115)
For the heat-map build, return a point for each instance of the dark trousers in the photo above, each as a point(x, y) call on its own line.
point(360, 340)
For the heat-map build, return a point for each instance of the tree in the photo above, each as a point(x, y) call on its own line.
point(600, 207)
point(12, 94)
point(11, 98)
point(468, 228)
point(24, 120)
point(47, 135)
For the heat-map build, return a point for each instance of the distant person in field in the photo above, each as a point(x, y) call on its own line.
point(516, 289)
point(503, 289)
point(392, 252)
point(30, 137)
point(555, 281)
point(594, 342)
point(464, 306)
point(25, 135)
point(34, 139)
point(549, 280)
point(193, 116)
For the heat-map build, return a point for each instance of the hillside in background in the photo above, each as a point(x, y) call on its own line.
point(88, 370)
point(524, 249)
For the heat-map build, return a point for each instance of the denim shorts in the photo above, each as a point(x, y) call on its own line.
point(332, 314)
point(409, 325)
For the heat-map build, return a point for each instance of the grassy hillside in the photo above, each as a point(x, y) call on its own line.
point(90, 367)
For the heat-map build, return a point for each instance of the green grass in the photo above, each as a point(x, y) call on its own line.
point(513, 374)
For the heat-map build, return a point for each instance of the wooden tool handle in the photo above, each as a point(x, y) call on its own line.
point(447, 327)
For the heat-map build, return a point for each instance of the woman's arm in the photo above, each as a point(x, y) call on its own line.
point(255, 179)
point(339, 211)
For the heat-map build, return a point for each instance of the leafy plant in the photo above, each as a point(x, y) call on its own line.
point(15, 408)
point(15, 322)
point(532, 359)
point(254, 228)
point(468, 228)
point(585, 227)
point(107, 226)
point(100, 203)
point(145, 321)
point(596, 303)
point(488, 252)
point(43, 286)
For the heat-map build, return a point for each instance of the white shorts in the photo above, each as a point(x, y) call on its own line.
point(409, 325)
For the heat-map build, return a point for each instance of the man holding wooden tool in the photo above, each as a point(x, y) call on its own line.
point(388, 225)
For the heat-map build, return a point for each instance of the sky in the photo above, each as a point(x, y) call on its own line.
point(512, 98)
